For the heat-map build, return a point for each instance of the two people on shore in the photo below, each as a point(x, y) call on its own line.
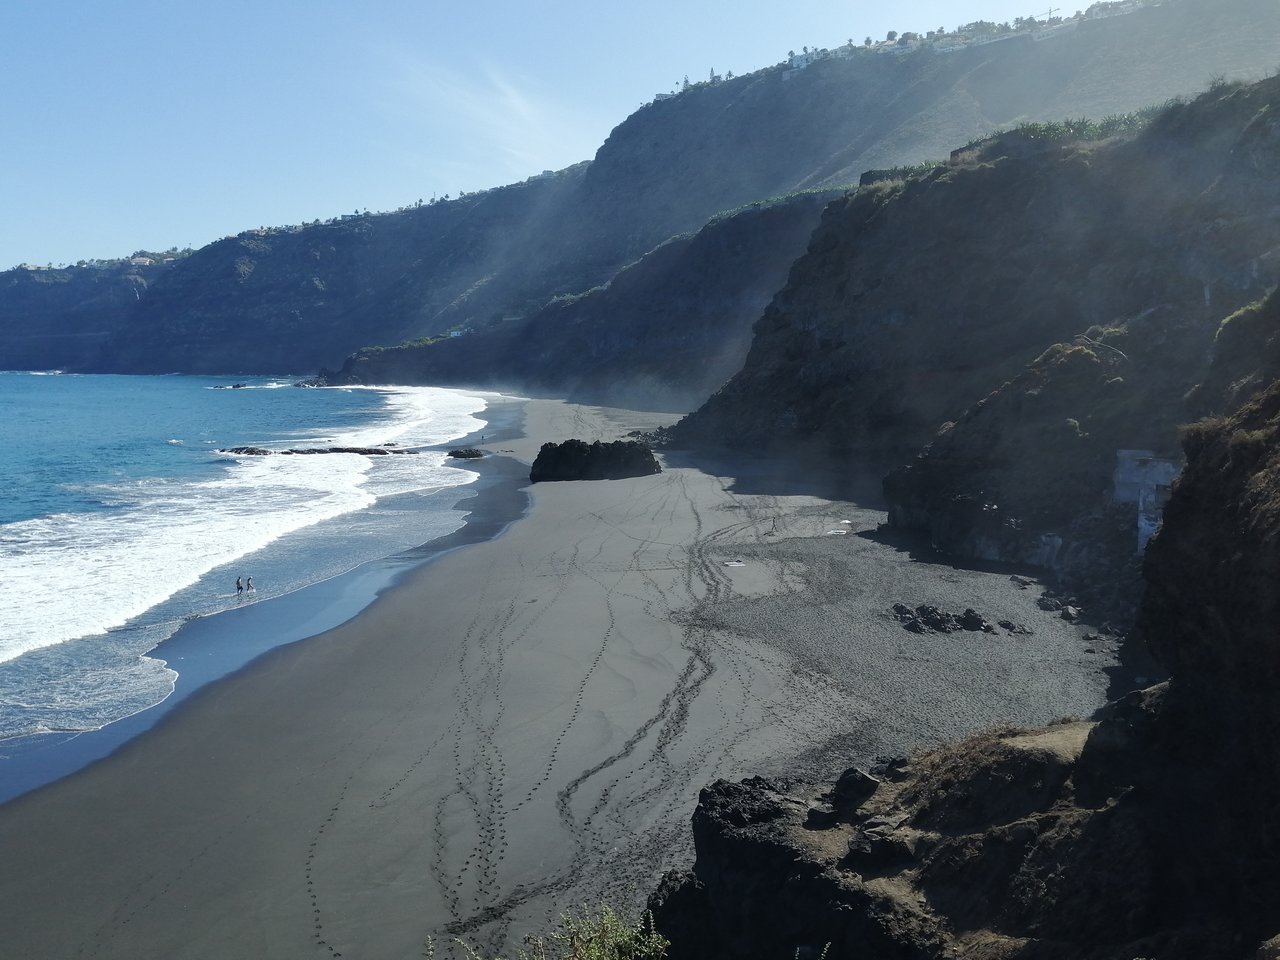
point(241, 587)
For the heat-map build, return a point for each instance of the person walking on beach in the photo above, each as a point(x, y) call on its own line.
point(239, 587)
point(248, 583)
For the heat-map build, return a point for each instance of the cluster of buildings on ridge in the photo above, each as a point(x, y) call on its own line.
point(941, 41)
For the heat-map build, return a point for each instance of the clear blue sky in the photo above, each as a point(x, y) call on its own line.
point(134, 124)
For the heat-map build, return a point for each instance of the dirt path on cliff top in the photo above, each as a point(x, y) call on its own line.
point(524, 726)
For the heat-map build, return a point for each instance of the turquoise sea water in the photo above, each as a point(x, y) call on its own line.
point(121, 520)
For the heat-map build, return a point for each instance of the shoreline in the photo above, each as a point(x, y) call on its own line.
point(524, 725)
point(210, 648)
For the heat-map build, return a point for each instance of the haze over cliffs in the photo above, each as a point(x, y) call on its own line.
point(300, 298)
point(663, 333)
point(1149, 829)
point(917, 297)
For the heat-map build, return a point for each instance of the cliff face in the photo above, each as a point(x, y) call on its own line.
point(307, 297)
point(915, 299)
point(293, 300)
point(768, 133)
point(1213, 591)
point(1245, 358)
point(1149, 831)
point(1026, 474)
point(62, 317)
point(664, 333)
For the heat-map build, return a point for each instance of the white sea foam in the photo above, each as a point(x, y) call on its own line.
point(75, 575)
point(69, 576)
point(269, 385)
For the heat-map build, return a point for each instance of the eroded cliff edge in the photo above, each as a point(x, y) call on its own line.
point(916, 299)
point(300, 297)
point(1150, 830)
point(992, 334)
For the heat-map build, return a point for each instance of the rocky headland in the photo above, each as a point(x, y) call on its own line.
point(301, 297)
point(1019, 317)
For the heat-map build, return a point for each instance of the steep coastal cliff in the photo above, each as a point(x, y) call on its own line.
point(917, 298)
point(1147, 831)
point(1020, 317)
point(663, 334)
point(298, 298)
point(51, 318)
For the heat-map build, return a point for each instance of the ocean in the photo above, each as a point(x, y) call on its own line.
point(121, 520)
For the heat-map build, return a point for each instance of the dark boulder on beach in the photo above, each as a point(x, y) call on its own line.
point(466, 453)
point(579, 460)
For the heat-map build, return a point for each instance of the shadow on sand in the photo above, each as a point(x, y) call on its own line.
point(784, 476)
point(780, 476)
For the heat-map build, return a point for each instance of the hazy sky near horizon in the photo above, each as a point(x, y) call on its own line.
point(131, 124)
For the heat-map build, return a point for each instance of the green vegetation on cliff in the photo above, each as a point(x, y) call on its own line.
point(919, 298)
point(600, 935)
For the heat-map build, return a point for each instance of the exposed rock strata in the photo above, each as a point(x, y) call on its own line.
point(1149, 831)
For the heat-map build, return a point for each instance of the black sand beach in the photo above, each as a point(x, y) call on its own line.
point(523, 725)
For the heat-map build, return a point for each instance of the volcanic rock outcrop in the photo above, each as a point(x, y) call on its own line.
point(579, 460)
